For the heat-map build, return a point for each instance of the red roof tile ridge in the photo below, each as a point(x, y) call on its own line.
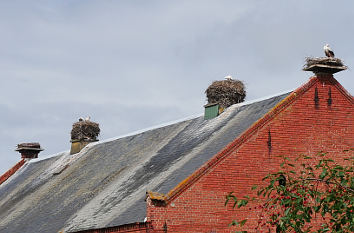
point(130, 227)
point(12, 171)
point(343, 90)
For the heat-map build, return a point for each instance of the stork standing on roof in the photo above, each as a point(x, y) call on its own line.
point(328, 51)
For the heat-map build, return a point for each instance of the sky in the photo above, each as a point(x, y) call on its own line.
point(134, 64)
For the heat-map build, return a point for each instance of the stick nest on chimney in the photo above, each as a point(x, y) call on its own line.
point(85, 130)
point(328, 61)
point(226, 92)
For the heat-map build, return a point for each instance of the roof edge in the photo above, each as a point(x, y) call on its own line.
point(121, 228)
point(216, 159)
point(156, 196)
point(342, 90)
point(12, 171)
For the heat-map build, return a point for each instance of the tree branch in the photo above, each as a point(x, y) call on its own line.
point(329, 182)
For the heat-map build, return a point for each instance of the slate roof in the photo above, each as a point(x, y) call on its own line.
point(105, 184)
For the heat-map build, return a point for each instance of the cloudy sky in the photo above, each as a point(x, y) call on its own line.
point(135, 64)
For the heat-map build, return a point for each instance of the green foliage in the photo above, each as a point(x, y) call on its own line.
point(304, 192)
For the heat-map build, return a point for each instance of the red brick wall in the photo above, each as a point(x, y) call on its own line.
point(300, 128)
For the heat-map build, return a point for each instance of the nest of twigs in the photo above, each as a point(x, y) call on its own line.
point(328, 61)
point(226, 92)
point(85, 130)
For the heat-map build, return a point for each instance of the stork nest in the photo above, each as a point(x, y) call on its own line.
point(85, 130)
point(226, 92)
point(328, 61)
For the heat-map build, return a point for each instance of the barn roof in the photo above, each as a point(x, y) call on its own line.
point(105, 184)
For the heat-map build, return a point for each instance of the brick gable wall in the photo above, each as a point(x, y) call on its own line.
point(317, 117)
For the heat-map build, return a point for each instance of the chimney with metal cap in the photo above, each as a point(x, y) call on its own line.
point(29, 150)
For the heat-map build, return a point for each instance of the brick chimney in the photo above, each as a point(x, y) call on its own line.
point(29, 150)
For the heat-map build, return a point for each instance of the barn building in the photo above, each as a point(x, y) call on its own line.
point(174, 178)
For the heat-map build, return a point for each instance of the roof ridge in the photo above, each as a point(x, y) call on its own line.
point(87, 147)
point(136, 132)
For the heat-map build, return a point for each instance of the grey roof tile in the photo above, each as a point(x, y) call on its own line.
point(105, 184)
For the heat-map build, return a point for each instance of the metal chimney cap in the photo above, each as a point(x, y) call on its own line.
point(32, 146)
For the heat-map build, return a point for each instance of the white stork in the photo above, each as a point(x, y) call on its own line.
point(229, 77)
point(328, 51)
